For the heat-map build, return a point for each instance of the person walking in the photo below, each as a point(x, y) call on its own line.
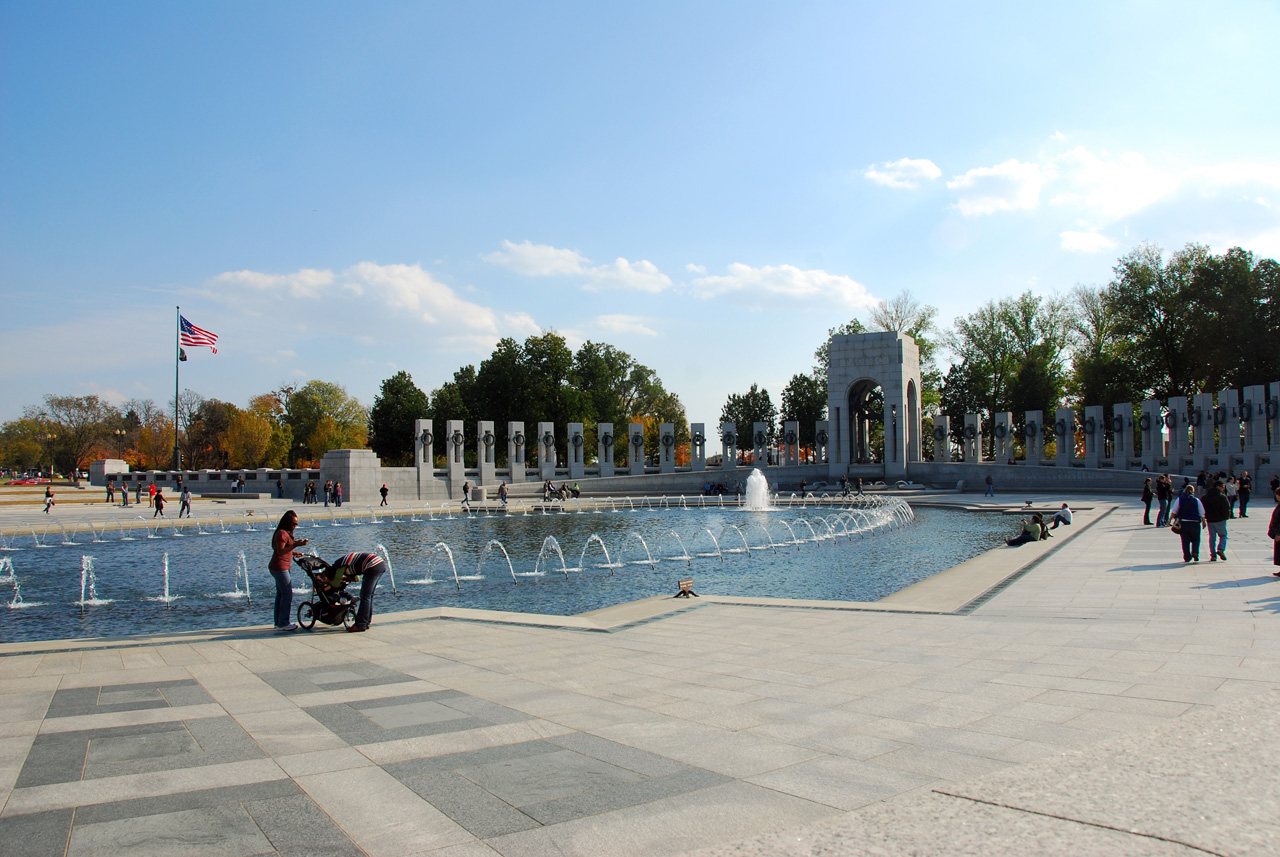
point(111, 490)
point(859, 486)
point(151, 494)
point(328, 492)
point(137, 493)
point(1190, 514)
point(1244, 489)
point(1217, 509)
point(1273, 533)
point(158, 503)
point(1232, 493)
point(502, 493)
point(48, 500)
point(1164, 496)
point(279, 488)
point(185, 507)
point(466, 494)
point(1147, 496)
point(337, 493)
point(1275, 487)
point(124, 495)
point(991, 487)
point(282, 546)
point(384, 492)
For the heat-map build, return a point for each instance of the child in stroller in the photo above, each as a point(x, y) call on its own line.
point(329, 602)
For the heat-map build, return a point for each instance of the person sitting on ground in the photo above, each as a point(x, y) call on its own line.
point(1062, 516)
point(1031, 532)
point(576, 491)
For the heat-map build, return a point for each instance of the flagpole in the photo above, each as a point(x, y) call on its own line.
point(177, 354)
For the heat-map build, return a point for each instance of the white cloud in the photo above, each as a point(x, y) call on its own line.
point(903, 173)
point(642, 276)
point(305, 283)
point(1010, 186)
point(695, 269)
point(775, 285)
point(1116, 186)
point(537, 260)
point(518, 324)
point(1086, 242)
point(624, 324)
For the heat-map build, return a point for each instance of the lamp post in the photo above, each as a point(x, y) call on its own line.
point(50, 439)
point(120, 435)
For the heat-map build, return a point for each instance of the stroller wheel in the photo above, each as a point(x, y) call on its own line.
point(348, 619)
point(307, 615)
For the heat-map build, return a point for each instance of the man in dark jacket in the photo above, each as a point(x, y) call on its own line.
point(1217, 509)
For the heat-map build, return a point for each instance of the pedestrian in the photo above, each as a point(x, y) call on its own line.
point(384, 492)
point(1164, 496)
point(111, 490)
point(158, 503)
point(859, 486)
point(137, 492)
point(328, 492)
point(124, 495)
point(1217, 509)
point(466, 494)
point(502, 493)
point(337, 493)
point(1275, 487)
point(1189, 513)
point(1232, 492)
point(185, 507)
point(1147, 496)
point(282, 546)
point(991, 487)
point(1273, 533)
point(48, 500)
point(1244, 489)
point(151, 494)
point(804, 488)
point(279, 488)
point(1062, 516)
point(368, 567)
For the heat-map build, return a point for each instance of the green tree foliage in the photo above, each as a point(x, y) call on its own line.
point(804, 400)
point(206, 434)
point(81, 425)
point(745, 409)
point(22, 444)
point(391, 419)
point(315, 401)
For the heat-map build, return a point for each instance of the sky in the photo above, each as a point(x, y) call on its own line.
point(342, 191)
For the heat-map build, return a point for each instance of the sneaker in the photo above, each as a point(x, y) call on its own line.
point(283, 628)
point(356, 629)
point(1222, 556)
point(1213, 557)
point(1195, 559)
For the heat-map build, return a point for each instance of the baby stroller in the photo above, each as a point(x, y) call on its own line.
point(331, 605)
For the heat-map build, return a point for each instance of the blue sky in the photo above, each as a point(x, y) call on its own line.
point(341, 191)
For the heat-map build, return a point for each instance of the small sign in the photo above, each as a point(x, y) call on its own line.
point(686, 588)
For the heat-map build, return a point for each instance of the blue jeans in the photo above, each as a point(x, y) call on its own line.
point(284, 598)
point(991, 490)
point(368, 583)
point(1217, 537)
point(1162, 517)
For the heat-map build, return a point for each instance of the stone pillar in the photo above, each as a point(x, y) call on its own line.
point(604, 447)
point(454, 441)
point(1064, 433)
point(1272, 410)
point(424, 457)
point(972, 437)
point(760, 443)
point(635, 440)
point(546, 451)
point(1201, 419)
point(1033, 436)
point(516, 442)
point(1002, 431)
point(821, 441)
point(1122, 435)
point(577, 451)
point(729, 441)
point(1176, 420)
point(1150, 424)
point(942, 438)
point(698, 447)
point(359, 471)
point(791, 443)
point(1227, 419)
point(1253, 418)
point(666, 448)
point(486, 453)
point(1095, 433)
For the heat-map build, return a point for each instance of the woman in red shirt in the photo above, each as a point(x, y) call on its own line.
point(282, 546)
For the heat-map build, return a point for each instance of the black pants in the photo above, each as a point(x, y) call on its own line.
point(1190, 540)
point(1146, 513)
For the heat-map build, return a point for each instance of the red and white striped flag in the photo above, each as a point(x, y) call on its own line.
point(196, 337)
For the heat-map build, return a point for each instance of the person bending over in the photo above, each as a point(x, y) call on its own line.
point(367, 567)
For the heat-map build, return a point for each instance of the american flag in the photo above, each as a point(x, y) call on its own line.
point(195, 337)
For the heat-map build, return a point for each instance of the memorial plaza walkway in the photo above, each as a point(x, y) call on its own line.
point(1091, 694)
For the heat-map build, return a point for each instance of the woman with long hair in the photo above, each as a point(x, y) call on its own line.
point(282, 546)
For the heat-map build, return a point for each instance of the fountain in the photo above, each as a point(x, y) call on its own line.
point(391, 573)
point(757, 493)
point(166, 598)
point(89, 586)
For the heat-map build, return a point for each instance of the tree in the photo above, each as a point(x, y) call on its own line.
point(453, 401)
point(80, 423)
point(391, 419)
point(206, 434)
point(1100, 365)
point(248, 440)
point(21, 443)
point(271, 407)
point(904, 314)
point(804, 400)
point(314, 401)
point(753, 406)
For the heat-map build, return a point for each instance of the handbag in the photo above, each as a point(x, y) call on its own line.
point(1175, 526)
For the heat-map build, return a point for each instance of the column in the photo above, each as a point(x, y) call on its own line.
point(635, 436)
point(515, 451)
point(1200, 417)
point(791, 442)
point(666, 448)
point(698, 447)
point(1095, 432)
point(729, 442)
point(1122, 435)
point(1033, 436)
point(1272, 409)
point(972, 437)
point(604, 447)
point(821, 441)
point(486, 453)
point(453, 450)
point(1064, 433)
point(546, 451)
point(1227, 419)
point(423, 457)
point(1150, 429)
point(577, 451)
point(1176, 421)
point(1002, 431)
point(760, 443)
point(942, 438)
